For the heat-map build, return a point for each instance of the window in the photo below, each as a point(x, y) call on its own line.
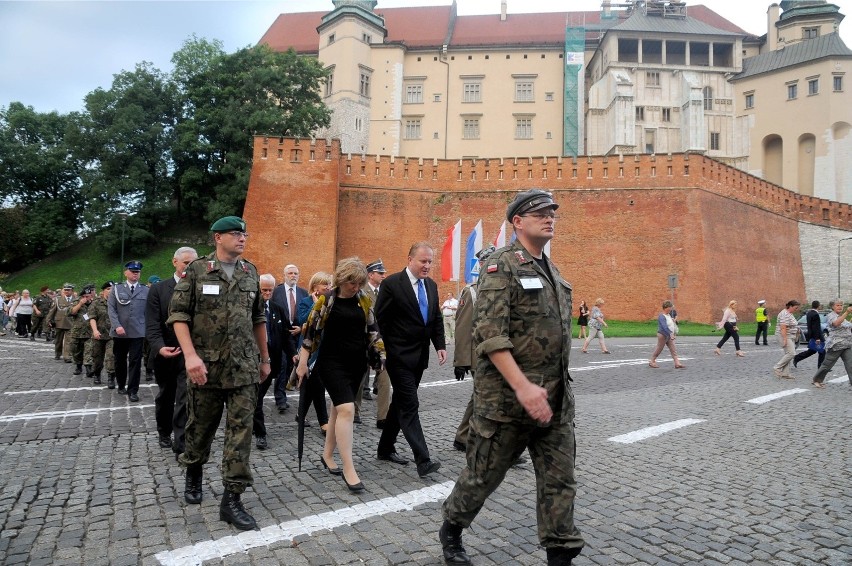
point(366, 38)
point(364, 89)
point(359, 123)
point(548, 97)
point(652, 78)
point(330, 38)
point(414, 94)
point(471, 129)
point(749, 100)
point(792, 91)
point(708, 98)
point(810, 33)
point(714, 141)
point(667, 114)
point(640, 113)
point(436, 97)
point(650, 140)
point(523, 128)
point(813, 87)
point(412, 129)
point(329, 84)
point(838, 83)
point(523, 91)
point(472, 92)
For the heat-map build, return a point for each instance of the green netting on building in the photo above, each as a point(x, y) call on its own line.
point(575, 43)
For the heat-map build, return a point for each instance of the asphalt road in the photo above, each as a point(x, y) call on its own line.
point(720, 463)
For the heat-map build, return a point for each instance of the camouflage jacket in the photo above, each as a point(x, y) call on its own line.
point(221, 315)
point(519, 308)
point(98, 311)
point(43, 304)
point(79, 321)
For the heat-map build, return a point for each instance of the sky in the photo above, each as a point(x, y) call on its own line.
point(53, 53)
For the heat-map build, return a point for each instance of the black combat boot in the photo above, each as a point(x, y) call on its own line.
point(97, 377)
point(232, 511)
point(450, 536)
point(559, 556)
point(89, 371)
point(78, 369)
point(192, 490)
point(110, 380)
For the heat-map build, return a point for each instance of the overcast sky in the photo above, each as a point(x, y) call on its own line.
point(53, 53)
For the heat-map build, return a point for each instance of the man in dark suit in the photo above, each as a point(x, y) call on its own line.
point(278, 341)
point(169, 368)
point(287, 297)
point(409, 317)
point(815, 334)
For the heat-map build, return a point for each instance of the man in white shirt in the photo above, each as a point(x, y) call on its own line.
point(448, 310)
point(287, 297)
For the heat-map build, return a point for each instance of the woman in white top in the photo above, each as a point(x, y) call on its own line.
point(839, 343)
point(23, 314)
point(729, 323)
point(786, 330)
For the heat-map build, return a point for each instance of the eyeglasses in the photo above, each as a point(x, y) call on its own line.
point(542, 215)
point(237, 234)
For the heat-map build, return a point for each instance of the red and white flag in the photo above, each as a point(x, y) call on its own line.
point(451, 254)
point(500, 240)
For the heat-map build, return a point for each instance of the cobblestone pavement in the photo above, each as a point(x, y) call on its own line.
point(749, 477)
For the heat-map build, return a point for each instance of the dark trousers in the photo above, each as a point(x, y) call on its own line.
point(807, 354)
point(285, 366)
point(170, 402)
point(729, 332)
point(259, 422)
point(24, 322)
point(403, 414)
point(128, 362)
point(762, 328)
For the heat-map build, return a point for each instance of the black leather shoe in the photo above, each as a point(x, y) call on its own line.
point(795, 363)
point(332, 471)
point(149, 376)
point(460, 446)
point(122, 390)
point(451, 542)
point(97, 379)
point(232, 511)
point(380, 424)
point(192, 488)
point(89, 371)
point(560, 556)
point(134, 398)
point(110, 381)
point(165, 441)
point(393, 457)
point(427, 467)
point(261, 443)
point(78, 369)
point(69, 361)
point(353, 487)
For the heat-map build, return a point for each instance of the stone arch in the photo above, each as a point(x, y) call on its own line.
point(773, 159)
point(806, 161)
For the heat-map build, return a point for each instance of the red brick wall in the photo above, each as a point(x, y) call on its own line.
point(625, 224)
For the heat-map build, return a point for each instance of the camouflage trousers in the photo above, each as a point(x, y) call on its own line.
point(37, 325)
point(102, 355)
point(81, 350)
point(493, 447)
point(204, 407)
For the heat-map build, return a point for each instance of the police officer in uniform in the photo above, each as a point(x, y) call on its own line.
point(57, 318)
point(80, 330)
point(101, 341)
point(522, 390)
point(762, 318)
point(217, 315)
point(126, 307)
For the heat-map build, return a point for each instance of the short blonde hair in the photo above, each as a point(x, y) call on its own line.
point(317, 279)
point(350, 269)
point(599, 302)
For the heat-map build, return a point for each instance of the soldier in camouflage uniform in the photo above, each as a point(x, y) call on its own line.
point(101, 343)
point(522, 390)
point(41, 306)
point(218, 317)
point(80, 330)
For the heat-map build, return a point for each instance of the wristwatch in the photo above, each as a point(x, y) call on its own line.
point(266, 360)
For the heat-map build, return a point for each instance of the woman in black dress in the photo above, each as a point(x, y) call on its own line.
point(341, 338)
point(583, 320)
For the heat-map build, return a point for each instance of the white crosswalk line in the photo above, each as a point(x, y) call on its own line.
point(652, 431)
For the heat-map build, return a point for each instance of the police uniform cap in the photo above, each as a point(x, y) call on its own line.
point(88, 289)
point(483, 254)
point(154, 279)
point(228, 223)
point(530, 201)
point(68, 286)
point(133, 265)
point(106, 285)
point(377, 266)
point(761, 302)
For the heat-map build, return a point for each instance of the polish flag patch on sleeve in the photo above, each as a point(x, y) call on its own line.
point(491, 268)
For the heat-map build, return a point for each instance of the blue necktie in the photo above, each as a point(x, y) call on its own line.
point(421, 299)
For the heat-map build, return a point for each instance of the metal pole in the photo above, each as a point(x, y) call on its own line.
point(123, 225)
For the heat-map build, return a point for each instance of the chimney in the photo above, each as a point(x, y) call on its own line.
point(773, 15)
point(503, 8)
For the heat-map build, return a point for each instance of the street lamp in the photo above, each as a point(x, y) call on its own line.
point(838, 264)
point(123, 216)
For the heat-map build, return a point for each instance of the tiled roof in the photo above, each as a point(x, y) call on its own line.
point(640, 22)
point(427, 26)
point(829, 45)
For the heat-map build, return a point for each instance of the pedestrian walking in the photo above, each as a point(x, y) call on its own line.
point(729, 323)
point(786, 329)
point(839, 343)
point(666, 332)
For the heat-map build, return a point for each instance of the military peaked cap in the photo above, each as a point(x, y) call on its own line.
point(377, 265)
point(133, 265)
point(530, 201)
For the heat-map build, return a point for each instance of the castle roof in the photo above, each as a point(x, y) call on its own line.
point(406, 26)
point(641, 22)
point(829, 45)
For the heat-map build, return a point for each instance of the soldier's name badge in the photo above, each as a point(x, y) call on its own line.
point(531, 283)
point(210, 289)
point(85, 317)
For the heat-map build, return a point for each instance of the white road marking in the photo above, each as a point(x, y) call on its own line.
point(54, 390)
point(71, 413)
point(217, 549)
point(653, 431)
point(773, 396)
point(620, 363)
point(840, 379)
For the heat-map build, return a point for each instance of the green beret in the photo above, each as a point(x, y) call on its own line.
point(228, 223)
point(530, 201)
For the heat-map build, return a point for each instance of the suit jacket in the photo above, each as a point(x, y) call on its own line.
point(405, 335)
point(158, 333)
point(279, 297)
point(278, 333)
point(128, 310)
point(58, 313)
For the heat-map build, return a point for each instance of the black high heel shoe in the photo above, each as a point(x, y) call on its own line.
point(354, 488)
point(332, 471)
